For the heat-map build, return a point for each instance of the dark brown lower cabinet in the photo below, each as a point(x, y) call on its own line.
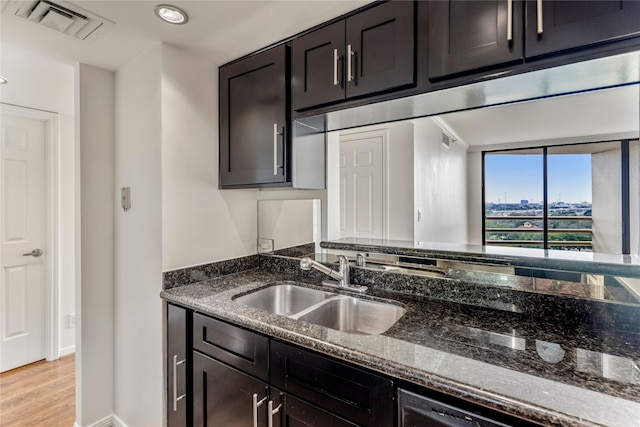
point(349, 393)
point(178, 378)
point(297, 413)
point(239, 378)
point(226, 397)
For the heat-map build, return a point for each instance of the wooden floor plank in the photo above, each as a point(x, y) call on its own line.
point(39, 394)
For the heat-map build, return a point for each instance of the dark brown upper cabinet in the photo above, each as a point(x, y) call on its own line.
point(555, 26)
point(254, 120)
point(369, 52)
point(466, 36)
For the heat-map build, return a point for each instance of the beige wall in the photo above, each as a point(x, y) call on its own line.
point(440, 186)
point(634, 200)
point(95, 250)
point(200, 224)
point(606, 191)
point(137, 324)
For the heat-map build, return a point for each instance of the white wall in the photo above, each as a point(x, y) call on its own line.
point(474, 198)
point(606, 191)
point(400, 182)
point(634, 199)
point(41, 83)
point(287, 222)
point(94, 256)
point(440, 186)
point(200, 224)
point(137, 313)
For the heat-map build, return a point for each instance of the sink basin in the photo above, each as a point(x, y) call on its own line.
point(335, 311)
point(284, 299)
point(355, 315)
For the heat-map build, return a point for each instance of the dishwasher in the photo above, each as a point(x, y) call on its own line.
point(420, 411)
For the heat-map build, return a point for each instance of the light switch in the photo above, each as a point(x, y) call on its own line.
point(125, 197)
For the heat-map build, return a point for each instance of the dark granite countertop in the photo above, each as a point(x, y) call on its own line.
point(543, 371)
point(585, 262)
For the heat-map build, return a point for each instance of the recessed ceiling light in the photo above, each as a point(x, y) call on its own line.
point(171, 14)
point(3, 80)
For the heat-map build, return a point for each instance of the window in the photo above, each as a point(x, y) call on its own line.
point(569, 197)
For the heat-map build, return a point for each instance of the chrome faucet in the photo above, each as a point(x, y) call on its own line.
point(341, 276)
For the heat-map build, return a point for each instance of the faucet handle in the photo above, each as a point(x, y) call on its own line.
point(360, 260)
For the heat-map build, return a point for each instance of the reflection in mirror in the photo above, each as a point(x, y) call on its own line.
point(421, 180)
point(594, 286)
point(289, 227)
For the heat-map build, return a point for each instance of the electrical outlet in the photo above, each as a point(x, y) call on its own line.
point(71, 320)
point(265, 245)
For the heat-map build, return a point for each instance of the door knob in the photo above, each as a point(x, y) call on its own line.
point(34, 253)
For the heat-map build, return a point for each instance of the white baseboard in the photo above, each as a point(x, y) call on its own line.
point(67, 350)
point(108, 421)
point(117, 422)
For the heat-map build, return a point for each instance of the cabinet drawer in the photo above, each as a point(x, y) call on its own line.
point(351, 393)
point(234, 346)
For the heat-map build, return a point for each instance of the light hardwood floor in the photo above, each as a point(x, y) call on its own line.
point(39, 394)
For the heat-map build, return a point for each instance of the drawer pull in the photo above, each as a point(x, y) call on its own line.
point(539, 13)
point(509, 20)
point(255, 405)
point(272, 412)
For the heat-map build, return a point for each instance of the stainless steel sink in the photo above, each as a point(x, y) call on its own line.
point(355, 315)
point(284, 299)
point(335, 311)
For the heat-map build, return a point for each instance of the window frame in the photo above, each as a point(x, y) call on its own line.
point(625, 188)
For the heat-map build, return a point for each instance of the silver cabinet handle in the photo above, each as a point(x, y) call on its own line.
point(272, 412)
point(275, 148)
point(255, 405)
point(176, 398)
point(34, 253)
point(509, 20)
point(336, 82)
point(539, 13)
point(276, 166)
point(350, 55)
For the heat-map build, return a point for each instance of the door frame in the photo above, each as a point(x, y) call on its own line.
point(52, 304)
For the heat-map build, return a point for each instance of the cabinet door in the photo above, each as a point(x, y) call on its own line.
point(177, 397)
point(254, 120)
point(318, 59)
point(297, 413)
point(571, 24)
point(381, 41)
point(467, 36)
point(224, 396)
point(346, 391)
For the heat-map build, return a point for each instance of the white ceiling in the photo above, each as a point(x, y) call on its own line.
point(591, 116)
point(218, 30)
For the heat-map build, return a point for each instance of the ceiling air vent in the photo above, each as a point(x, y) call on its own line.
point(62, 17)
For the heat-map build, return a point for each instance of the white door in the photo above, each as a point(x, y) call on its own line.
point(361, 187)
point(22, 232)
